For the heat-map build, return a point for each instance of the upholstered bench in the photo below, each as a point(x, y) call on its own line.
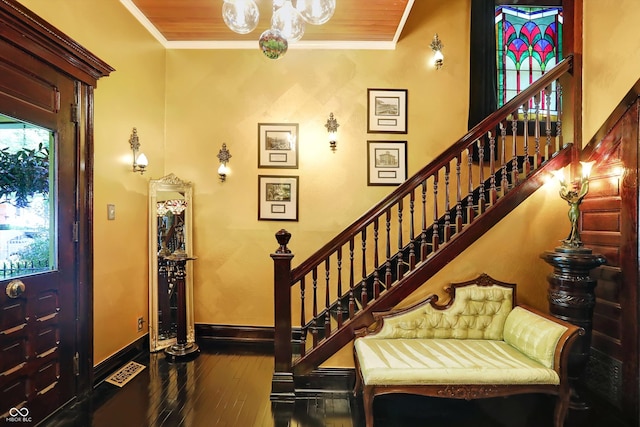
point(479, 344)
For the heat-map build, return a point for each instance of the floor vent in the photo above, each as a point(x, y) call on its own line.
point(125, 374)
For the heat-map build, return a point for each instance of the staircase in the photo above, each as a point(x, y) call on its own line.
point(411, 234)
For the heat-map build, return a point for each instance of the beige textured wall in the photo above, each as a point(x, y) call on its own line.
point(219, 96)
point(131, 96)
point(611, 60)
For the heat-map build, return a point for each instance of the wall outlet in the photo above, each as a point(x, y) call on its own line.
point(140, 323)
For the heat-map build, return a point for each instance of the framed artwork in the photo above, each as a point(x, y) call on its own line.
point(386, 162)
point(277, 198)
point(278, 145)
point(387, 111)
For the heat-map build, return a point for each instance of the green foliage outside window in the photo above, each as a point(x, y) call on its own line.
point(23, 173)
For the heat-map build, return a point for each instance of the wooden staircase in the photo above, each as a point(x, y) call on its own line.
point(411, 234)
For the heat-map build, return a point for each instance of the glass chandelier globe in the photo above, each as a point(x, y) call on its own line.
point(272, 44)
point(316, 12)
point(289, 22)
point(241, 16)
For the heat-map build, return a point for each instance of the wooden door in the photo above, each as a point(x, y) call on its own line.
point(38, 342)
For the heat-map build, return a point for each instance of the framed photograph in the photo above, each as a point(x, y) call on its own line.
point(277, 198)
point(387, 111)
point(278, 145)
point(386, 162)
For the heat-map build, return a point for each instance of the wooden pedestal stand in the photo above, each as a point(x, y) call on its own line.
point(572, 298)
point(182, 350)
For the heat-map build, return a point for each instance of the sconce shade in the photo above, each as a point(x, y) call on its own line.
point(586, 168)
point(142, 161)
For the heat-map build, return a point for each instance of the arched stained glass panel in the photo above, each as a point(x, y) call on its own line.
point(528, 42)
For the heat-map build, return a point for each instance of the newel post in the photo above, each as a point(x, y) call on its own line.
point(282, 388)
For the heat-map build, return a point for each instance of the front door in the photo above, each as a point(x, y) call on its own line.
point(38, 249)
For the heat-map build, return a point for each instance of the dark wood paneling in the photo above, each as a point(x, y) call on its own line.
point(610, 227)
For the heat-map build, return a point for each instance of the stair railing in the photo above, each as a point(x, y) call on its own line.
point(340, 283)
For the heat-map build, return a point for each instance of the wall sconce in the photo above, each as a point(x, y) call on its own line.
point(438, 57)
point(332, 128)
point(573, 193)
point(140, 161)
point(223, 155)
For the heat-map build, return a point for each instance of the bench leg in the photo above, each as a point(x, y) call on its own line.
point(560, 413)
point(367, 401)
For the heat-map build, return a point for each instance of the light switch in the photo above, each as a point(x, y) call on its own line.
point(111, 212)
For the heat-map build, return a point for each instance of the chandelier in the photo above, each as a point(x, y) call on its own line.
point(287, 22)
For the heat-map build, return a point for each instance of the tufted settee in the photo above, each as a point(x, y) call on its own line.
point(479, 344)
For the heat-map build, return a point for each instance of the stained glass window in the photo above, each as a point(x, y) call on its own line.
point(528, 42)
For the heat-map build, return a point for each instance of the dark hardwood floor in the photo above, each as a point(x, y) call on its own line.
point(225, 388)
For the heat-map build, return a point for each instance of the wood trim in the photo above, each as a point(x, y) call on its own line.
point(47, 43)
point(105, 368)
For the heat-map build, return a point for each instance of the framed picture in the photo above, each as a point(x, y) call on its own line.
point(386, 162)
point(278, 145)
point(387, 111)
point(277, 198)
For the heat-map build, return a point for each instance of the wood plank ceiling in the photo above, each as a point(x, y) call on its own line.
point(198, 23)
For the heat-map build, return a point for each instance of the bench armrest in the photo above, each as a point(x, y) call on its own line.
point(540, 336)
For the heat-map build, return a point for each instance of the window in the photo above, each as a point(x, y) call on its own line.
point(528, 42)
point(27, 221)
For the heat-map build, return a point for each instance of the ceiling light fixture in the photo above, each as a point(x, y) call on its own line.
point(287, 22)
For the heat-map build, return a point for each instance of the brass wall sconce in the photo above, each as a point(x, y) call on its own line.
point(332, 128)
point(223, 155)
point(573, 193)
point(140, 161)
point(438, 57)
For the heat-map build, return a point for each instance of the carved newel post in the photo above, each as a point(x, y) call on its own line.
point(571, 291)
point(282, 387)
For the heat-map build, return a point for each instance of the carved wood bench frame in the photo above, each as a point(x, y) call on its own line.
point(473, 391)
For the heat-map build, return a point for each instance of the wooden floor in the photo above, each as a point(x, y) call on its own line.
point(223, 388)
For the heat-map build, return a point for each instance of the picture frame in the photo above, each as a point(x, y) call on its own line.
point(386, 162)
point(278, 145)
point(277, 198)
point(387, 110)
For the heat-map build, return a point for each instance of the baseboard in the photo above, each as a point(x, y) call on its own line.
point(338, 381)
point(259, 338)
point(108, 366)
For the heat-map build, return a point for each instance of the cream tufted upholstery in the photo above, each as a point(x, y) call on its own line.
point(476, 313)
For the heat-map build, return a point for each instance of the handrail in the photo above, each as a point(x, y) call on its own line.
point(478, 131)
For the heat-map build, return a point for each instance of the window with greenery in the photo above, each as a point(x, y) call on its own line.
point(27, 243)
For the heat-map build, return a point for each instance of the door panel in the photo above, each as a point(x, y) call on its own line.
point(38, 328)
